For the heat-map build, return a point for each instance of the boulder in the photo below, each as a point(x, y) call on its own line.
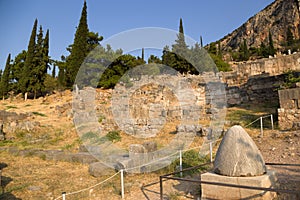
point(238, 155)
point(98, 169)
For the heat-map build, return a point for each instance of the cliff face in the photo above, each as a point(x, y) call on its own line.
point(276, 17)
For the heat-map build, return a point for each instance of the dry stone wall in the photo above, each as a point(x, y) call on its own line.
point(243, 71)
point(154, 101)
point(289, 111)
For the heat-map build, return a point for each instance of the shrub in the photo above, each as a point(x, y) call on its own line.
point(113, 136)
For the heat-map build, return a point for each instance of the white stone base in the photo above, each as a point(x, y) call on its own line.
point(222, 192)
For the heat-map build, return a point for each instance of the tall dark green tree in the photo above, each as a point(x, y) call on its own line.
point(54, 71)
point(5, 78)
point(154, 59)
point(29, 62)
point(17, 71)
point(36, 81)
point(201, 42)
point(263, 51)
point(143, 54)
point(177, 58)
point(61, 77)
point(244, 51)
point(289, 37)
point(79, 49)
point(180, 46)
point(271, 49)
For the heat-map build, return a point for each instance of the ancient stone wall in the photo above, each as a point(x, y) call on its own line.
point(153, 101)
point(258, 89)
point(243, 71)
point(289, 111)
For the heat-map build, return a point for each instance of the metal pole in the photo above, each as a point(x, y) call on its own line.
point(161, 187)
point(210, 150)
point(64, 195)
point(261, 127)
point(180, 162)
point(122, 183)
point(272, 123)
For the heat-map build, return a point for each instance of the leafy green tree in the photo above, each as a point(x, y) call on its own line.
point(93, 40)
point(26, 77)
point(50, 83)
point(61, 82)
point(212, 48)
point(117, 69)
point(154, 59)
point(79, 49)
point(5, 78)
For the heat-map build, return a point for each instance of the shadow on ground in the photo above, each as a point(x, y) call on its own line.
point(4, 181)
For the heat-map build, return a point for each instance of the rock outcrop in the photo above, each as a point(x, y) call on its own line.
point(276, 18)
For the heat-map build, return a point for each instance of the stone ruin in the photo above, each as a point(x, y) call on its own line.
point(289, 111)
point(12, 121)
point(239, 162)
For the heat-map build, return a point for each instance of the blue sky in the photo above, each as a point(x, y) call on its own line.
point(211, 19)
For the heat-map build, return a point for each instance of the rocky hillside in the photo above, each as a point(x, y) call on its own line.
point(276, 18)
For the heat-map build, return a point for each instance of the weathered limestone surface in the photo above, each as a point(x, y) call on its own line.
point(238, 155)
point(289, 111)
point(98, 169)
point(222, 192)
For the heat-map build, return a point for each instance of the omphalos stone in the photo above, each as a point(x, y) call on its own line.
point(238, 155)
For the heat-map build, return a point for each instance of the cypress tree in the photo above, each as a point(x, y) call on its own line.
point(79, 48)
point(143, 54)
point(263, 50)
point(289, 37)
point(5, 78)
point(17, 69)
point(36, 82)
point(201, 42)
point(46, 58)
point(271, 50)
point(53, 71)
point(29, 61)
point(180, 45)
point(244, 51)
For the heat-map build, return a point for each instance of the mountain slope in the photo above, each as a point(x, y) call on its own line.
point(276, 18)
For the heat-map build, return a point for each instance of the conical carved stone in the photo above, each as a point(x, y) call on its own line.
point(238, 155)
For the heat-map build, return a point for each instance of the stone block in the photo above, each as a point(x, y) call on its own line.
point(224, 192)
point(98, 169)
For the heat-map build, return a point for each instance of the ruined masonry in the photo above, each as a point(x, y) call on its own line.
point(289, 111)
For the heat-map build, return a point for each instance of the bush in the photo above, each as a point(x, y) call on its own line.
point(113, 136)
point(189, 159)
